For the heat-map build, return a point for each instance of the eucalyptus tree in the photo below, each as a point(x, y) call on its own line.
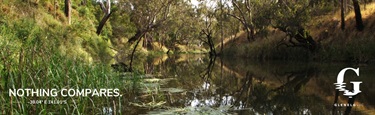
point(208, 24)
point(290, 17)
point(107, 13)
point(214, 24)
point(227, 25)
point(253, 15)
point(209, 32)
point(343, 4)
point(180, 28)
point(149, 15)
point(357, 12)
point(243, 13)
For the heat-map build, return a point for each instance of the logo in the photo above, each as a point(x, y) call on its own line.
point(340, 85)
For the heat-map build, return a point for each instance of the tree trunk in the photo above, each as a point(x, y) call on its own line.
point(211, 45)
point(358, 16)
point(248, 36)
point(137, 36)
point(108, 6)
point(68, 10)
point(212, 49)
point(107, 12)
point(132, 55)
point(303, 38)
point(307, 39)
point(221, 26)
point(312, 44)
point(55, 8)
point(342, 15)
point(83, 2)
point(102, 23)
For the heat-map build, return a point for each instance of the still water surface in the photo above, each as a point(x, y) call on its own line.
point(195, 84)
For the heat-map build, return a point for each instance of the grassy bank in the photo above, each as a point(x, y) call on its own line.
point(34, 58)
point(36, 64)
point(360, 50)
point(349, 45)
point(40, 50)
point(29, 23)
point(57, 72)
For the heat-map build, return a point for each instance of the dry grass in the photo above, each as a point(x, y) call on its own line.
point(336, 44)
point(328, 27)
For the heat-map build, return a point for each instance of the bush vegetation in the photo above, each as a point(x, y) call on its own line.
point(40, 50)
point(334, 44)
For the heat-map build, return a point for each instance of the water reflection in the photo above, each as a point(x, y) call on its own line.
point(246, 87)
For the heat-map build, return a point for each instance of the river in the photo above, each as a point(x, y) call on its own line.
point(195, 84)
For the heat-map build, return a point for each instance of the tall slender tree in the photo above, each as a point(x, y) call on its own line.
point(68, 10)
point(244, 15)
point(342, 14)
point(358, 16)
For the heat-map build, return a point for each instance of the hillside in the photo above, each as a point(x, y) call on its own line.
point(43, 27)
point(349, 45)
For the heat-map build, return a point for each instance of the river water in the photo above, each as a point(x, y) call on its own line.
point(195, 84)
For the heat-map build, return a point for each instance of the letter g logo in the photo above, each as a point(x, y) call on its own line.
point(340, 85)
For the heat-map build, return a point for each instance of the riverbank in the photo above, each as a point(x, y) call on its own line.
point(40, 50)
point(334, 44)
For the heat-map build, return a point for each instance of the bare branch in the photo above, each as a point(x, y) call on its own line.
point(103, 7)
point(238, 18)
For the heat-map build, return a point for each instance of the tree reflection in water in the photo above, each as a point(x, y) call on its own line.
point(285, 99)
point(212, 86)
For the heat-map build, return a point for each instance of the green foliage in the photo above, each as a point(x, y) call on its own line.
point(291, 15)
point(83, 11)
point(52, 70)
point(122, 26)
point(43, 52)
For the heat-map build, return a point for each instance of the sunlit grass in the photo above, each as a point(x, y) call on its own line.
point(349, 45)
point(40, 52)
point(47, 69)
